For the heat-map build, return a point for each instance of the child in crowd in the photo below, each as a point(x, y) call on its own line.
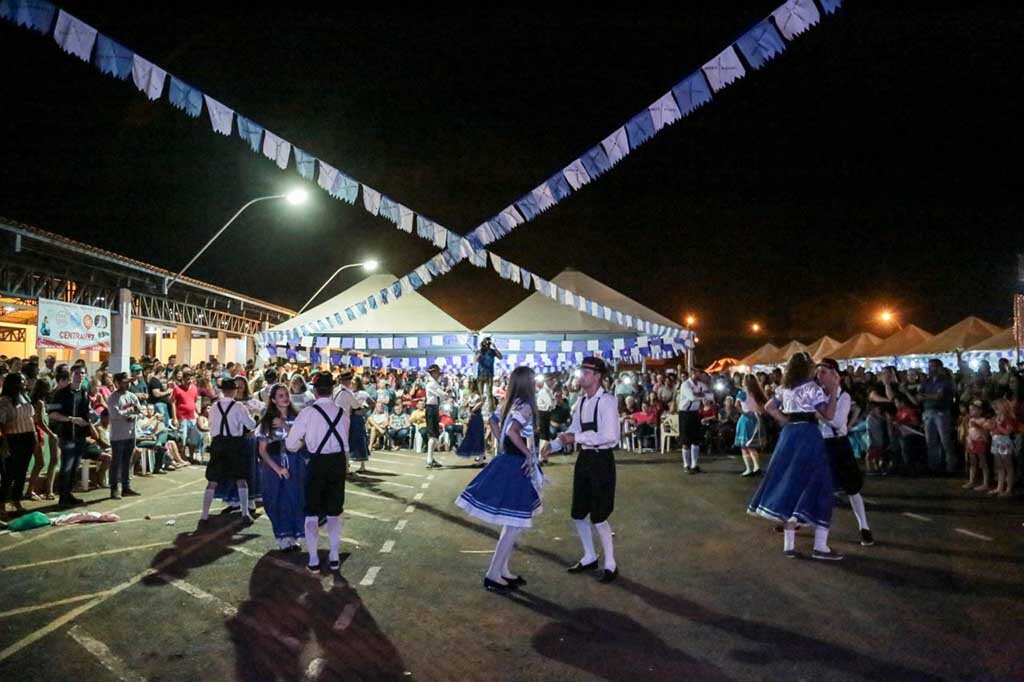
point(976, 445)
point(1002, 427)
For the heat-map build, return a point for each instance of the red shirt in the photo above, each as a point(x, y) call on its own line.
point(185, 401)
point(645, 417)
point(908, 416)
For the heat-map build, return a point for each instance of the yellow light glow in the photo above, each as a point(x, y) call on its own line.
point(756, 328)
point(691, 320)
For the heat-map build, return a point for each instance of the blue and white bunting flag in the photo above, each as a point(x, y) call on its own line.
point(305, 163)
point(183, 96)
point(251, 132)
point(724, 69)
point(371, 200)
point(793, 17)
point(640, 128)
point(664, 111)
point(276, 149)
point(221, 116)
point(761, 44)
point(34, 14)
point(112, 58)
point(148, 77)
point(616, 146)
point(74, 36)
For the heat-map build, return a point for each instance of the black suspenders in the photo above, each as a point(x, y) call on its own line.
point(224, 429)
point(332, 426)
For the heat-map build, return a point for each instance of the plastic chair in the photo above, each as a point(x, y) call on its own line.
point(669, 430)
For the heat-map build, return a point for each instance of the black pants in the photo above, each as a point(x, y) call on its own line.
point(121, 463)
point(325, 484)
point(71, 452)
point(845, 471)
point(593, 485)
point(12, 482)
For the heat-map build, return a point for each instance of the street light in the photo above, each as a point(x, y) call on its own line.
point(294, 197)
point(691, 320)
point(889, 317)
point(369, 265)
point(756, 328)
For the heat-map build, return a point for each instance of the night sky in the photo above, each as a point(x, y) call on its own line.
point(874, 163)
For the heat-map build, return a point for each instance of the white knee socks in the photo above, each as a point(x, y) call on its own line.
point(788, 539)
point(694, 454)
point(857, 504)
point(821, 539)
point(312, 528)
point(502, 552)
point(604, 531)
point(243, 498)
point(686, 456)
point(585, 530)
point(207, 501)
point(333, 536)
point(430, 450)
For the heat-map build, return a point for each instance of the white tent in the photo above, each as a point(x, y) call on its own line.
point(411, 315)
point(539, 314)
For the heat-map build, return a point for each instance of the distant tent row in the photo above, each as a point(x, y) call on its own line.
point(910, 346)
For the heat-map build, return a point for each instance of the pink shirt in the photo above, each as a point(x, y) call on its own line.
point(185, 401)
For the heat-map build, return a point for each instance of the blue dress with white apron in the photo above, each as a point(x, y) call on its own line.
point(798, 483)
point(474, 442)
point(358, 445)
point(284, 498)
point(749, 429)
point(503, 493)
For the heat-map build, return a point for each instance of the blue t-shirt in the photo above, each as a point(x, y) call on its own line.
point(486, 362)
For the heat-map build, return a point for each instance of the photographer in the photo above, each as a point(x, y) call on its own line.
point(485, 369)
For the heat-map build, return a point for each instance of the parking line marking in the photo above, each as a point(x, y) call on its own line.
point(371, 575)
point(104, 655)
point(48, 605)
point(425, 486)
point(280, 563)
point(476, 551)
point(430, 477)
point(76, 557)
point(417, 497)
point(400, 526)
point(349, 491)
point(193, 591)
point(346, 616)
point(917, 516)
point(364, 515)
point(972, 534)
point(410, 509)
point(387, 547)
point(397, 485)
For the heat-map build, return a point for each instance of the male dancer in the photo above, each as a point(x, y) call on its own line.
point(691, 392)
point(595, 428)
point(435, 394)
point(228, 423)
point(323, 427)
point(347, 402)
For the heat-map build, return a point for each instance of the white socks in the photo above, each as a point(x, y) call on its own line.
point(585, 530)
point(686, 456)
point(604, 531)
point(333, 537)
point(694, 454)
point(312, 528)
point(857, 504)
point(788, 539)
point(207, 501)
point(430, 450)
point(821, 539)
point(746, 464)
point(243, 498)
point(502, 551)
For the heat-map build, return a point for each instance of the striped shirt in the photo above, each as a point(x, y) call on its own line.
point(17, 418)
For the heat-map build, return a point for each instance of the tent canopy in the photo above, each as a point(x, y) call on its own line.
point(788, 351)
point(858, 346)
point(765, 355)
point(902, 341)
point(1004, 340)
point(823, 348)
point(968, 332)
point(410, 314)
point(538, 314)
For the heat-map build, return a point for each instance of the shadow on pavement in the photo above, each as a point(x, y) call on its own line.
point(207, 554)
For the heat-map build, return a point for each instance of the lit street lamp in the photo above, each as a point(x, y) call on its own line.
point(691, 320)
point(369, 265)
point(294, 197)
point(756, 328)
point(889, 317)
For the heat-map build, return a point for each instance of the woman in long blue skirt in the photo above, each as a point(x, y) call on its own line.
point(282, 472)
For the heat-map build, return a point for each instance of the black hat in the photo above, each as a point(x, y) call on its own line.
point(322, 380)
point(830, 363)
point(431, 369)
point(228, 384)
point(596, 364)
point(346, 375)
point(121, 376)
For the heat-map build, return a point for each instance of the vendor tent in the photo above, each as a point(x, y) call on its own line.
point(765, 355)
point(1003, 341)
point(788, 351)
point(823, 348)
point(902, 341)
point(859, 346)
point(968, 332)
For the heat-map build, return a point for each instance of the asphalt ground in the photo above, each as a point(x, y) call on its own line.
point(704, 592)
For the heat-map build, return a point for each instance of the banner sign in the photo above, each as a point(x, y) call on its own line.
point(73, 327)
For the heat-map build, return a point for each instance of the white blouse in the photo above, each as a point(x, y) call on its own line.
point(807, 397)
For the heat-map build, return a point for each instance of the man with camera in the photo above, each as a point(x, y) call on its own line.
point(485, 369)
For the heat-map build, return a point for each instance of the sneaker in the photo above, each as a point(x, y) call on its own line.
point(695, 470)
point(790, 554)
point(866, 538)
point(130, 492)
point(688, 470)
point(114, 495)
point(830, 555)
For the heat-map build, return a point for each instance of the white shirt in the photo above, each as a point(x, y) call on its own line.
point(837, 425)
point(310, 427)
point(545, 399)
point(607, 415)
point(806, 397)
point(239, 419)
point(691, 393)
point(434, 392)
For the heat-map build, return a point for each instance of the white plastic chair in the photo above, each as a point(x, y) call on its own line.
point(669, 430)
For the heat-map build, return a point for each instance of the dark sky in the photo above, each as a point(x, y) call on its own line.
point(875, 162)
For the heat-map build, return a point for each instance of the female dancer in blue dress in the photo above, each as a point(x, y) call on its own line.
point(507, 492)
point(798, 487)
point(474, 443)
point(357, 439)
point(750, 431)
point(283, 471)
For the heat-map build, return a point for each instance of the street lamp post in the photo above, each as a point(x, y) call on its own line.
point(370, 266)
point(295, 197)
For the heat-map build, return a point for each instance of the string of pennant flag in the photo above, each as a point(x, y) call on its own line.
point(765, 40)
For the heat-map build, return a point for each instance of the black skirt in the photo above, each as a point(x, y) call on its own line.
point(845, 471)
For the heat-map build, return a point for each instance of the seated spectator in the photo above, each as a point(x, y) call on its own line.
point(451, 429)
point(378, 423)
point(398, 429)
point(560, 415)
point(97, 449)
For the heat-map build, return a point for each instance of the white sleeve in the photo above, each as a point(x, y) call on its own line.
point(293, 441)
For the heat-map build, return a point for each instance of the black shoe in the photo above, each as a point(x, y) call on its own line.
point(580, 567)
point(162, 471)
point(747, 473)
point(247, 520)
point(334, 565)
point(313, 569)
point(695, 470)
point(757, 472)
point(609, 576)
point(494, 586)
point(291, 549)
point(790, 554)
point(687, 469)
point(866, 538)
point(114, 495)
point(518, 581)
point(129, 492)
point(830, 555)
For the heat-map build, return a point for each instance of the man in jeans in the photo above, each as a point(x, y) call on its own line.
point(123, 407)
point(69, 417)
point(183, 408)
point(936, 398)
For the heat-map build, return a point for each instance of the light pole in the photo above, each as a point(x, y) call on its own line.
point(370, 266)
point(889, 317)
point(295, 197)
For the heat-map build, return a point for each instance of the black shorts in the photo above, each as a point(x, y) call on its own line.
point(227, 462)
point(690, 430)
point(544, 425)
point(325, 484)
point(593, 485)
point(846, 473)
point(433, 421)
